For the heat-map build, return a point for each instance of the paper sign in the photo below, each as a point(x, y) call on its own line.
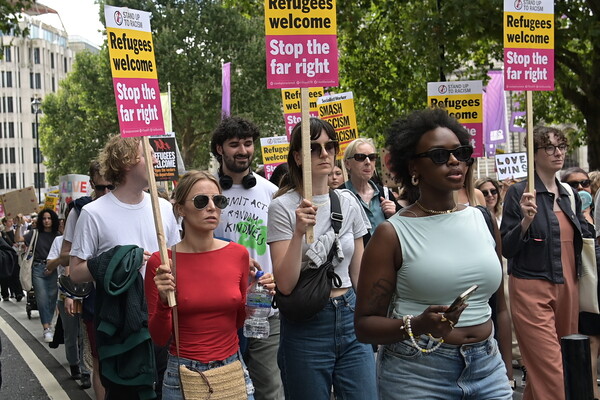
point(52, 201)
point(72, 186)
point(338, 110)
point(133, 67)
point(528, 45)
point(463, 101)
point(22, 201)
point(511, 166)
point(292, 109)
point(274, 152)
point(301, 43)
point(166, 154)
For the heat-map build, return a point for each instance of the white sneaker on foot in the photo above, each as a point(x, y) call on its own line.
point(48, 335)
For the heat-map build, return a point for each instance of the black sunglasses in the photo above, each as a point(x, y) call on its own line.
point(330, 147)
point(360, 157)
point(486, 193)
point(584, 183)
point(441, 156)
point(201, 201)
point(102, 188)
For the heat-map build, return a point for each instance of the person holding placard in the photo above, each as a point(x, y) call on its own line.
point(321, 352)
point(542, 240)
point(433, 347)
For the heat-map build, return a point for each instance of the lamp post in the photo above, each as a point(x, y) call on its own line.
point(36, 103)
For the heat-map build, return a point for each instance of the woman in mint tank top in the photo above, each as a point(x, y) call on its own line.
point(419, 261)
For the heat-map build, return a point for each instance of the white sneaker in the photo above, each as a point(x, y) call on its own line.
point(48, 335)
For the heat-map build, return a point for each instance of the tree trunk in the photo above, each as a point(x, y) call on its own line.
point(593, 139)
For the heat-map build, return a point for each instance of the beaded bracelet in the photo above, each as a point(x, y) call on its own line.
point(408, 329)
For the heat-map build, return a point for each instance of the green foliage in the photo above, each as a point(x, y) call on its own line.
point(78, 119)
point(9, 21)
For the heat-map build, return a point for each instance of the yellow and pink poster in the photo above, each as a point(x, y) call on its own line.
point(464, 101)
point(274, 152)
point(338, 110)
point(292, 109)
point(133, 67)
point(528, 45)
point(301, 43)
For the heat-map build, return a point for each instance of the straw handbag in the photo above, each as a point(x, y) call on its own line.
point(222, 383)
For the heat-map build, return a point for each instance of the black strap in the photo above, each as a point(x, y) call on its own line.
point(488, 219)
point(336, 212)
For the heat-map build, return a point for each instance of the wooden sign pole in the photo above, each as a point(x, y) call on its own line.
point(160, 233)
point(530, 149)
point(306, 158)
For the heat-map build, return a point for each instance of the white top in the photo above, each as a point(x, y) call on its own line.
point(245, 218)
point(282, 222)
point(55, 252)
point(107, 222)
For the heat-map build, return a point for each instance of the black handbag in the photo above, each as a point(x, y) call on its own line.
point(314, 284)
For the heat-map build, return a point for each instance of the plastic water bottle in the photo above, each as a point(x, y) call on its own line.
point(258, 307)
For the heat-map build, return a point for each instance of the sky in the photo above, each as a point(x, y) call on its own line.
point(79, 17)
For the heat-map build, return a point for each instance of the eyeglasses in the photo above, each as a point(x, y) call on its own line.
point(551, 149)
point(102, 188)
point(584, 183)
point(330, 147)
point(441, 156)
point(201, 201)
point(492, 192)
point(360, 157)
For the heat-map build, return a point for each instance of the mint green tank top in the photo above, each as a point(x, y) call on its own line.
point(442, 256)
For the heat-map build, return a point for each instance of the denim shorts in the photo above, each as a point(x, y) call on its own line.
point(171, 389)
point(469, 372)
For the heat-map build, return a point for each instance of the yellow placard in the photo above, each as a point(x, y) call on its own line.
point(285, 17)
point(291, 99)
point(131, 54)
point(465, 108)
point(339, 111)
point(276, 153)
point(528, 30)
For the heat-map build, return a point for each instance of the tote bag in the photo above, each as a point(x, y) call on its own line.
point(26, 263)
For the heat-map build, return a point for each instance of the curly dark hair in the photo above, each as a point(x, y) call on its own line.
point(229, 128)
point(53, 216)
point(405, 132)
point(541, 136)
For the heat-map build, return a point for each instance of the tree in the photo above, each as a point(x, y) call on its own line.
point(79, 118)
point(192, 39)
point(9, 18)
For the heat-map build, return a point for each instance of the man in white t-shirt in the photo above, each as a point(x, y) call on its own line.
point(244, 221)
point(121, 217)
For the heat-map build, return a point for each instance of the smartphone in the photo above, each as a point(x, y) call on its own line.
point(461, 299)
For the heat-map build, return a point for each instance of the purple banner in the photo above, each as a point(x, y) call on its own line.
point(226, 95)
point(494, 110)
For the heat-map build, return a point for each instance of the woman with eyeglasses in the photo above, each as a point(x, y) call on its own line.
point(210, 279)
point(490, 188)
point(378, 202)
point(542, 240)
point(419, 261)
point(321, 352)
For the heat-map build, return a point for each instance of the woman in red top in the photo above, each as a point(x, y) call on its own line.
point(212, 277)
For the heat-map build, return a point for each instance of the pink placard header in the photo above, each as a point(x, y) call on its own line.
point(528, 69)
point(138, 107)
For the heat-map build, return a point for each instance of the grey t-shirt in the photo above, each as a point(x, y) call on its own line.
point(282, 222)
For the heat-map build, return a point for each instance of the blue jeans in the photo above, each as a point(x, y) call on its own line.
point(46, 291)
point(468, 372)
point(171, 389)
point(73, 337)
point(323, 352)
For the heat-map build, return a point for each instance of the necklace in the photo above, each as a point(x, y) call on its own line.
point(435, 212)
point(320, 204)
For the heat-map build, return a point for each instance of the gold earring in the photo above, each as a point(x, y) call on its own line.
point(414, 180)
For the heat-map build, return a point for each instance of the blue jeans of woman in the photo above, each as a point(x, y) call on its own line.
point(323, 352)
point(46, 291)
point(73, 337)
point(468, 372)
point(171, 389)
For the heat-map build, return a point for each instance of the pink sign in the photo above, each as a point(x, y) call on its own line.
point(292, 119)
point(529, 69)
point(138, 106)
point(476, 131)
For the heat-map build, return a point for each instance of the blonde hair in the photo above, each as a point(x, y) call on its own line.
point(118, 154)
point(595, 179)
point(184, 187)
point(351, 149)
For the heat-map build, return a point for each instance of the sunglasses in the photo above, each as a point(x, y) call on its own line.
point(102, 188)
point(201, 201)
point(330, 147)
point(360, 157)
point(486, 193)
point(441, 156)
point(584, 183)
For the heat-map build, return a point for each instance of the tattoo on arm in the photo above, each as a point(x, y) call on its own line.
point(380, 295)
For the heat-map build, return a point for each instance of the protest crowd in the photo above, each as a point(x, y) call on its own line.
point(366, 310)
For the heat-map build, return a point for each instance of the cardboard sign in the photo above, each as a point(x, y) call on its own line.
point(528, 45)
point(22, 201)
point(274, 152)
point(133, 67)
point(338, 110)
point(72, 186)
point(464, 101)
point(511, 166)
point(301, 43)
point(292, 109)
point(165, 151)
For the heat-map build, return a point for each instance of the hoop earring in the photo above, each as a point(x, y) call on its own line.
point(414, 180)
